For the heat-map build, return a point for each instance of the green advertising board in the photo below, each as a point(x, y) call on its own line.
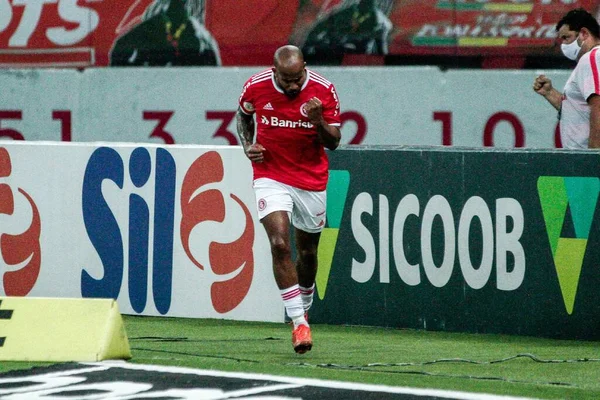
point(469, 240)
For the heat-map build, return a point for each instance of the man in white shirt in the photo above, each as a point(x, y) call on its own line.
point(579, 104)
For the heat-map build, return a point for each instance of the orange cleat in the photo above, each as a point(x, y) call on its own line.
point(302, 339)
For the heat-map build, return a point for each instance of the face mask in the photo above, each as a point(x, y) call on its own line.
point(571, 50)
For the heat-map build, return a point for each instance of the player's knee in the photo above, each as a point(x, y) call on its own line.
point(308, 256)
point(280, 247)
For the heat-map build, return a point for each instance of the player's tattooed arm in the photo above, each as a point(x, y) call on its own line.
point(245, 130)
point(329, 135)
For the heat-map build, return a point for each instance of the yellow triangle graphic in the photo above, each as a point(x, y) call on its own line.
point(568, 261)
point(325, 254)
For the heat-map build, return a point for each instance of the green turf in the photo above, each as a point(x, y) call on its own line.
point(521, 366)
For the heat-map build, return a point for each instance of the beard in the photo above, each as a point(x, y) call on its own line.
point(291, 93)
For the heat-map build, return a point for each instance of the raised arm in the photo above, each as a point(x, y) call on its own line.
point(543, 86)
point(329, 135)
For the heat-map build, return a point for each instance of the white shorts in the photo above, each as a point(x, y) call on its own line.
point(306, 208)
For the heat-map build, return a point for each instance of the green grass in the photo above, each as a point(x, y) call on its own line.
point(372, 355)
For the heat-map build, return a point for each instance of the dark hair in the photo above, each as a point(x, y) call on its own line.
point(580, 18)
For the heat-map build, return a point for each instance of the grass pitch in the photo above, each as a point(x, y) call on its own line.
point(499, 364)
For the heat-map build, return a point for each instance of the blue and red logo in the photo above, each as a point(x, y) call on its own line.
point(201, 202)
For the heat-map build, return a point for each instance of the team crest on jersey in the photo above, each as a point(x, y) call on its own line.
point(303, 110)
point(262, 204)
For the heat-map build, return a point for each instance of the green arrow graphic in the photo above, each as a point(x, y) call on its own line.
point(337, 191)
point(580, 194)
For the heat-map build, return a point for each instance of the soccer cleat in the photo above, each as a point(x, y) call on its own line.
point(302, 339)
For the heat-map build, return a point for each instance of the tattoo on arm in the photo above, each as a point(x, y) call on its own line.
point(245, 128)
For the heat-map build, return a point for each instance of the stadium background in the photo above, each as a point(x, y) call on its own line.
point(413, 76)
point(466, 33)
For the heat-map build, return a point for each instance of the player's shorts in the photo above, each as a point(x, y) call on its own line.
point(306, 208)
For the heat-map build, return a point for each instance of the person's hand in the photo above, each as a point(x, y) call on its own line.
point(254, 152)
point(314, 110)
point(542, 85)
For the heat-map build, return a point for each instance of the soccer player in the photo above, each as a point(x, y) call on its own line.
point(297, 114)
point(579, 104)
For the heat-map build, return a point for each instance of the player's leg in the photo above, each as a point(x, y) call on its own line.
point(307, 245)
point(308, 218)
point(277, 225)
point(274, 205)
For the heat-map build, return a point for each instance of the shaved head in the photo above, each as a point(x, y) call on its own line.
point(288, 56)
point(290, 72)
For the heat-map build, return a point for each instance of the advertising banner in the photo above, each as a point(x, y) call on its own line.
point(168, 231)
point(77, 33)
point(379, 106)
point(462, 240)
point(329, 30)
point(466, 240)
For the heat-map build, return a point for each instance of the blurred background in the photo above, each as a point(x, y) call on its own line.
point(447, 33)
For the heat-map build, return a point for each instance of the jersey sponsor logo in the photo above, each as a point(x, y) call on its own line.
point(286, 123)
point(21, 253)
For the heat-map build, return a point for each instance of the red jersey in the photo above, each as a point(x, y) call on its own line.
point(294, 154)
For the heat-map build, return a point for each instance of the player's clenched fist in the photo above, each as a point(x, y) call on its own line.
point(254, 152)
point(314, 110)
point(542, 85)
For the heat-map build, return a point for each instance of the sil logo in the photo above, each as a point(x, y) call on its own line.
point(144, 231)
point(232, 262)
point(579, 195)
point(337, 192)
point(21, 252)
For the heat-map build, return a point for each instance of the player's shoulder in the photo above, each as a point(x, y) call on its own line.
point(318, 79)
point(590, 57)
point(260, 77)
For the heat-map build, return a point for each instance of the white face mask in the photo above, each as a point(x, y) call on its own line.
point(571, 50)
